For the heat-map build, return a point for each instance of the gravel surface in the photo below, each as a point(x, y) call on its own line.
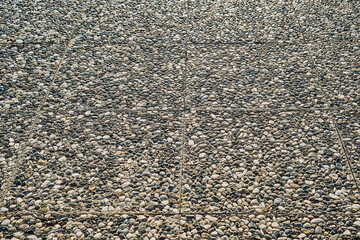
point(89, 226)
point(282, 162)
point(339, 68)
point(252, 76)
point(268, 226)
point(122, 77)
point(138, 21)
point(179, 119)
point(46, 21)
point(102, 161)
point(25, 73)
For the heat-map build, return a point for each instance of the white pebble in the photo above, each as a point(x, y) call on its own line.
point(97, 236)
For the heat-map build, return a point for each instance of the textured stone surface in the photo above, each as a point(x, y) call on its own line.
point(179, 119)
point(255, 159)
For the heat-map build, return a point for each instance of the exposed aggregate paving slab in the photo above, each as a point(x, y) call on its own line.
point(122, 77)
point(286, 161)
point(89, 226)
point(252, 76)
point(138, 21)
point(100, 161)
point(237, 21)
point(268, 226)
point(26, 72)
point(45, 21)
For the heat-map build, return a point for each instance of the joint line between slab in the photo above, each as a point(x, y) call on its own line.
point(184, 117)
point(288, 213)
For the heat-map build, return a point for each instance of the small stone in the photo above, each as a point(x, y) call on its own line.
point(18, 234)
point(334, 237)
point(333, 196)
point(277, 201)
point(356, 206)
point(275, 225)
point(317, 221)
point(5, 222)
point(307, 225)
point(92, 187)
point(191, 142)
point(97, 236)
point(318, 230)
point(142, 227)
point(32, 237)
point(309, 182)
point(24, 227)
point(4, 209)
point(19, 41)
point(215, 176)
point(248, 148)
point(211, 218)
point(234, 219)
point(202, 155)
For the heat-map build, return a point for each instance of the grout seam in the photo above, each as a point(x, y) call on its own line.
point(288, 213)
point(184, 117)
point(191, 43)
point(149, 110)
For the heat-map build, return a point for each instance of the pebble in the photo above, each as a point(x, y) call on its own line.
point(5, 222)
point(318, 230)
point(234, 219)
point(317, 221)
point(211, 218)
point(97, 236)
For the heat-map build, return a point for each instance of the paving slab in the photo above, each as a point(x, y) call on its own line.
point(268, 226)
point(122, 77)
point(236, 21)
point(138, 21)
point(14, 132)
point(45, 21)
point(253, 76)
point(100, 161)
point(26, 72)
point(339, 68)
point(264, 161)
point(89, 226)
point(179, 119)
point(327, 21)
